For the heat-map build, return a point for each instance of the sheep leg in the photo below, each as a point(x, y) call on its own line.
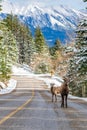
point(52, 97)
point(62, 104)
point(66, 100)
point(55, 98)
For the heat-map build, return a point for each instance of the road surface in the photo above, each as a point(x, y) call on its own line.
point(29, 107)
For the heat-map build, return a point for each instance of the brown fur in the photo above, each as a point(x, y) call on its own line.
point(64, 93)
point(63, 90)
point(54, 91)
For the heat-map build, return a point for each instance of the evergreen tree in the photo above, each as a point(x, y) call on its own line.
point(29, 46)
point(23, 37)
point(8, 52)
point(57, 45)
point(39, 41)
point(21, 42)
point(78, 64)
point(13, 24)
point(53, 50)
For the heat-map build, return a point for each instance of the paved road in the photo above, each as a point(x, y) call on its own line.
point(29, 109)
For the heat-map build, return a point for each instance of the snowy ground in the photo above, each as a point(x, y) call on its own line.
point(11, 86)
point(25, 70)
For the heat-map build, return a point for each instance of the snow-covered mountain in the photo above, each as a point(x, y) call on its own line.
point(56, 22)
point(52, 17)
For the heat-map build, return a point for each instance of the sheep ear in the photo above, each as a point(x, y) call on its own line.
point(65, 79)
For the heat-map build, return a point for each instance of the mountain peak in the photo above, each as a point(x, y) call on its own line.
point(56, 23)
point(32, 9)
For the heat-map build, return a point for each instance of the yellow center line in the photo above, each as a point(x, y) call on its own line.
point(18, 109)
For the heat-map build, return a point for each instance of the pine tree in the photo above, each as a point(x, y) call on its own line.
point(53, 50)
point(39, 41)
point(29, 46)
point(23, 37)
point(78, 63)
point(8, 52)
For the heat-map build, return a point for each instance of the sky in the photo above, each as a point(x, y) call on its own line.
point(75, 4)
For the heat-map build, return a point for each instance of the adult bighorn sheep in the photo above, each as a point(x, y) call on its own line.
point(63, 90)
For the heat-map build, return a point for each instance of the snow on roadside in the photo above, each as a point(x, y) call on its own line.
point(25, 71)
point(48, 80)
point(57, 81)
point(2, 85)
point(21, 70)
point(10, 87)
point(75, 97)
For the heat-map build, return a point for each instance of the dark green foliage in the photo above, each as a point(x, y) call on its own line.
point(78, 64)
point(39, 41)
point(23, 37)
point(8, 52)
point(57, 45)
point(5, 71)
point(55, 48)
point(81, 45)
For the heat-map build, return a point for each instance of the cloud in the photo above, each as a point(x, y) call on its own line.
point(9, 5)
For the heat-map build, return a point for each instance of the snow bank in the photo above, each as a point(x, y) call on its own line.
point(74, 97)
point(10, 87)
point(2, 85)
point(48, 80)
point(21, 70)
